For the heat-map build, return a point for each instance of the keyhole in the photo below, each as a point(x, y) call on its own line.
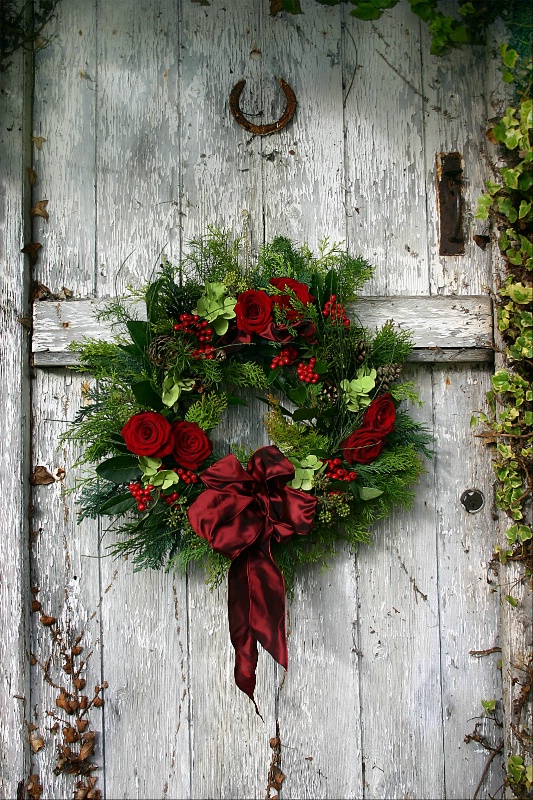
point(472, 500)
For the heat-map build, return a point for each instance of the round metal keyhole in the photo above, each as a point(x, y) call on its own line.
point(473, 500)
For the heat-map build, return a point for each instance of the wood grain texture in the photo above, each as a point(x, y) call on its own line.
point(468, 599)
point(15, 116)
point(385, 157)
point(138, 212)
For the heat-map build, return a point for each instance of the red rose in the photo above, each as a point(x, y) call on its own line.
point(280, 333)
point(148, 434)
point(191, 445)
point(284, 300)
point(380, 414)
point(254, 311)
point(362, 446)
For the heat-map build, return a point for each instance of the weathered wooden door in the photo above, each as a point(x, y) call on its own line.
point(139, 153)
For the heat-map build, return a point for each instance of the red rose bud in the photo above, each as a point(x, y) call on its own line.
point(254, 311)
point(148, 434)
point(191, 445)
point(362, 446)
point(380, 414)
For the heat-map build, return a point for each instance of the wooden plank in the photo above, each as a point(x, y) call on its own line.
point(64, 557)
point(468, 600)
point(222, 176)
point(385, 172)
point(15, 599)
point(457, 86)
point(442, 326)
point(139, 205)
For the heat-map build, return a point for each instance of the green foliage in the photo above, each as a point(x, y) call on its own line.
point(212, 256)
point(207, 411)
point(509, 203)
point(244, 374)
point(447, 32)
point(22, 26)
point(390, 346)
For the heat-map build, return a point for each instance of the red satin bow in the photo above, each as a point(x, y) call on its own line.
point(238, 514)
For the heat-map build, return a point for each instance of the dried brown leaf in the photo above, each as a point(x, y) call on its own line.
point(34, 788)
point(38, 141)
point(81, 724)
point(87, 750)
point(41, 476)
point(47, 621)
point(83, 701)
point(39, 292)
point(35, 605)
point(67, 667)
point(70, 734)
point(37, 743)
point(76, 650)
point(62, 701)
point(32, 176)
point(79, 683)
point(31, 250)
point(39, 210)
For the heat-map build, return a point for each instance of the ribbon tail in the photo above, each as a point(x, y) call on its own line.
point(256, 606)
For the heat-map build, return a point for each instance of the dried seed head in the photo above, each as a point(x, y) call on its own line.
point(76, 650)
point(35, 605)
point(47, 621)
point(81, 724)
point(79, 683)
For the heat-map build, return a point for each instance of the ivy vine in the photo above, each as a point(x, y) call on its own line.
point(508, 204)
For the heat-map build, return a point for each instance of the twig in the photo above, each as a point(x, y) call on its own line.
point(481, 653)
point(487, 765)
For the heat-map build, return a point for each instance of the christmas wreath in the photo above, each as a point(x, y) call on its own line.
point(342, 452)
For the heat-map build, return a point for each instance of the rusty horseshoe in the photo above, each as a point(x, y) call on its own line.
point(262, 130)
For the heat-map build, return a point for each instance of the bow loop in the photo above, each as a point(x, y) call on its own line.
point(238, 514)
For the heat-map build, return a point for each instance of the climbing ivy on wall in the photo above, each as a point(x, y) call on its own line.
point(467, 26)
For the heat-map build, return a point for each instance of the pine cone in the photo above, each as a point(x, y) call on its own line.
point(360, 351)
point(328, 394)
point(158, 350)
point(387, 374)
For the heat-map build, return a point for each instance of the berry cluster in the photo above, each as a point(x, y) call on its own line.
point(306, 372)
point(143, 496)
point(191, 323)
point(336, 473)
point(335, 311)
point(205, 351)
point(186, 475)
point(170, 499)
point(285, 357)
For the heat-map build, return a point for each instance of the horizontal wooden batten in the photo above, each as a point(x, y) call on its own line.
point(443, 328)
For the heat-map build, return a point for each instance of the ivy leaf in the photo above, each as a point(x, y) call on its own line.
point(520, 293)
point(511, 600)
point(524, 209)
point(119, 469)
point(304, 413)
